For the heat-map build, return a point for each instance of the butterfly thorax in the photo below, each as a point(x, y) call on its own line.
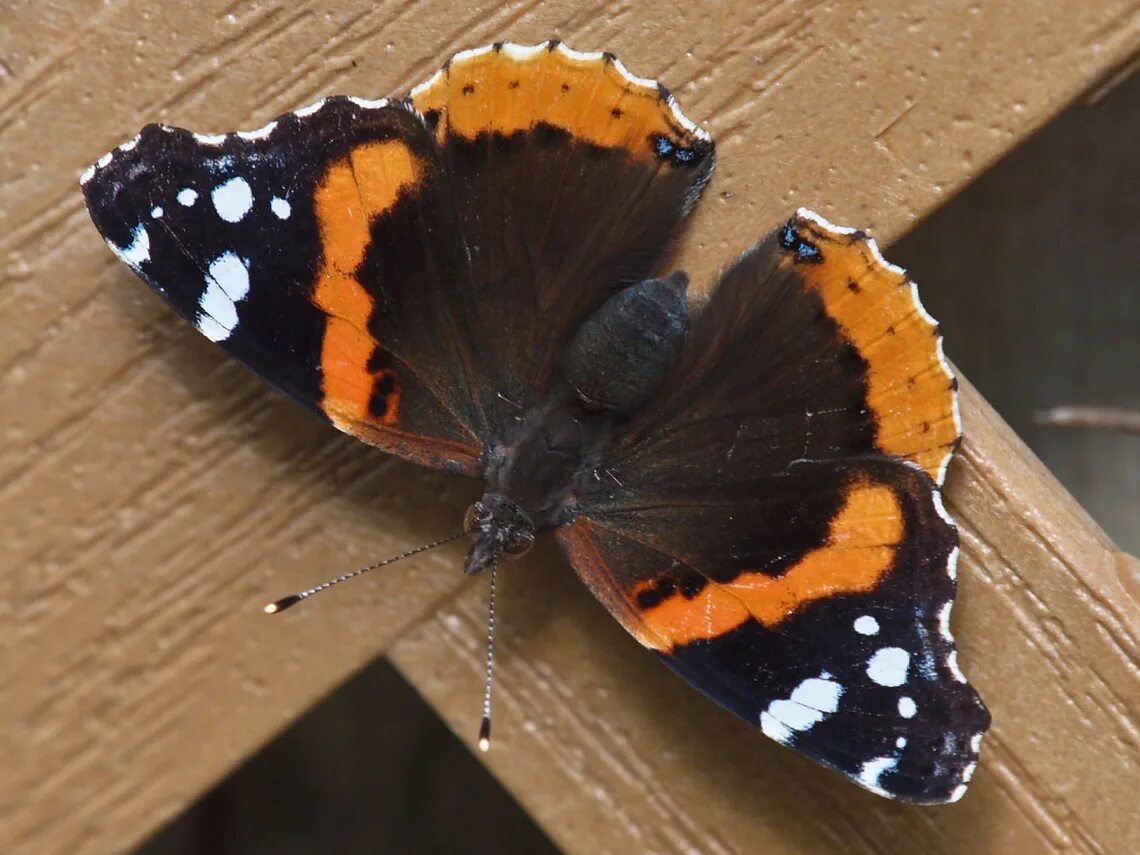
point(616, 362)
point(528, 477)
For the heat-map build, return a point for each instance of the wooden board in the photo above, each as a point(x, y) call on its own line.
point(152, 496)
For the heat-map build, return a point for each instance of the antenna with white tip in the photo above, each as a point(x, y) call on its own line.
point(292, 600)
point(485, 727)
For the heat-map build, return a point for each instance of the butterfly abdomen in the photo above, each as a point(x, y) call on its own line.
point(620, 356)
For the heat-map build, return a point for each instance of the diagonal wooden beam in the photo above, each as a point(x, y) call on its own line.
point(152, 496)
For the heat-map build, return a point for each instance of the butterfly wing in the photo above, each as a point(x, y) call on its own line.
point(570, 176)
point(772, 526)
point(315, 252)
point(412, 269)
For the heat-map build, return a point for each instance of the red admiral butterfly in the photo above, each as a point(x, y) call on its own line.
point(465, 277)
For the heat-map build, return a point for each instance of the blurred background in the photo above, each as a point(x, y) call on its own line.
point(1034, 272)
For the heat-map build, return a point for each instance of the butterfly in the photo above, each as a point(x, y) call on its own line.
point(468, 277)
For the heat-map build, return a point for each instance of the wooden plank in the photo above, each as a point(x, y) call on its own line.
point(153, 495)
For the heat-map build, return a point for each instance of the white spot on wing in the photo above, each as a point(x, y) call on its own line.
point(774, 729)
point(954, 399)
point(187, 197)
point(137, 251)
point(105, 159)
point(823, 222)
point(633, 78)
point(888, 666)
point(427, 84)
point(280, 207)
point(921, 309)
point(818, 693)
point(210, 139)
point(894, 268)
point(976, 742)
point(308, 111)
point(873, 770)
point(216, 304)
point(577, 55)
point(131, 143)
point(521, 53)
point(952, 664)
point(900, 743)
point(944, 621)
point(227, 283)
point(88, 174)
point(907, 707)
point(810, 702)
point(471, 53)
point(229, 272)
point(368, 103)
point(232, 199)
point(260, 134)
point(156, 212)
point(211, 329)
point(866, 625)
point(952, 558)
point(959, 791)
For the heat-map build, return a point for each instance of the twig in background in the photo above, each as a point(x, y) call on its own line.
point(1118, 419)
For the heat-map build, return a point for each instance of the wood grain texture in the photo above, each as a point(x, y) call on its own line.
point(153, 496)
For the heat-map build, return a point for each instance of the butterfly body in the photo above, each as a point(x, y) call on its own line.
point(469, 277)
point(621, 355)
point(618, 359)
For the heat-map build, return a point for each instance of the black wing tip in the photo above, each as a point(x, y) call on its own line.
point(950, 781)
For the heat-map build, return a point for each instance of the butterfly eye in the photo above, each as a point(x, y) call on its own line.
point(520, 545)
point(472, 517)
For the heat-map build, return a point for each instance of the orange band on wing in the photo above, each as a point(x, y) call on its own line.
point(509, 88)
point(910, 389)
point(711, 613)
point(355, 190)
point(860, 549)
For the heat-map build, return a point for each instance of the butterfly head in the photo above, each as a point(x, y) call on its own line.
point(497, 527)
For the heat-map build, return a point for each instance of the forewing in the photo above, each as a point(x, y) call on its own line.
point(315, 250)
point(812, 347)
point(570, 177)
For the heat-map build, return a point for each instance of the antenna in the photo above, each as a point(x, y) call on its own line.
point(292, 600)
point(485, 727)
